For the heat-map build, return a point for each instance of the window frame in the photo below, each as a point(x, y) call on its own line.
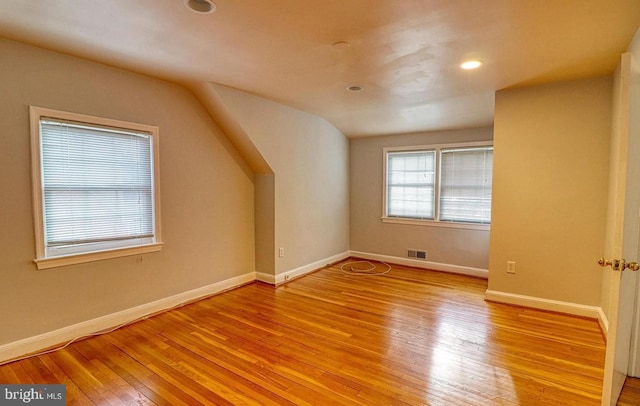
point(42, 260)
point(435, 222)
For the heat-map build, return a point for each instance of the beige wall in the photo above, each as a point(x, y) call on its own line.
point(309, 160)
point(451, 246)
point(550, 189)
point(206, 195)
point(265, 213)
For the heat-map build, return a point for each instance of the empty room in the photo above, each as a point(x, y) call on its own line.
point(286, 202)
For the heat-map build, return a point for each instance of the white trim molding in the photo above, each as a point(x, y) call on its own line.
point(434, 223)
point(575, 309)
point(30, 345)
point(438, 150)
point(53, 262)
point(603, 320)
point(288, 276)
point(70, 253)
point(416, 263)
point(57, 337)
point(266, 278)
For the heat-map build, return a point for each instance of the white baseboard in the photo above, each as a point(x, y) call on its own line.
point(416, 263)
point(603, 320)
point(592, 312)
point(30, 345)
point(54, 338)
point(303, 270)
point(63, 335)
point(266, 278)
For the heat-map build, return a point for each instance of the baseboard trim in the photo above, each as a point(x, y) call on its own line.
point(54, 338)
point(266, 278)
point(416, 263)
point(288, 276)
point(575, 309)
point(603, 320)
point(31, 345)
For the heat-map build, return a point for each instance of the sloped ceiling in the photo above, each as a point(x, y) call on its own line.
point(404, 53)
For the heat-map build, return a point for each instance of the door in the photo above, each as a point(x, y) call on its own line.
point(623, 225)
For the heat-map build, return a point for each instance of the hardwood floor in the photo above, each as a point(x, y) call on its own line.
point(410, 337)
point(630, 395)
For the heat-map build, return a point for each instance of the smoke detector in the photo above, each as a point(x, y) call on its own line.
point(200, 6)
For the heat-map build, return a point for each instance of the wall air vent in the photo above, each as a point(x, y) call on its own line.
point(417, 254)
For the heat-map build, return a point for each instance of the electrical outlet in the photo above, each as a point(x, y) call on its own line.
point(281, 252)
point(511, 267)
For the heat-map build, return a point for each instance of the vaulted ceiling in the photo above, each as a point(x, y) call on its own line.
point(405, 54)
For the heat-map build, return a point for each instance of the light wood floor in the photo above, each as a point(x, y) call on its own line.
point(409, 337)
point(630, 395)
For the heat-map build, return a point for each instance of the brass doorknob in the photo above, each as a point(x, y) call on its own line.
point(614, 263)
point(604, 262)
point(618, 265)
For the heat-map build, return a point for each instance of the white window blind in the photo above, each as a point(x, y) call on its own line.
point(411, 184)
point(97, 187)
point(465, 184)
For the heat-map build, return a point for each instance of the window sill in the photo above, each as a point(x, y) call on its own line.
point(434, 223)
point(53, 262)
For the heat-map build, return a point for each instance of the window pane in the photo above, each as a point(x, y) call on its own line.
point(97, 185)
point(465, 185)
point(411, 184)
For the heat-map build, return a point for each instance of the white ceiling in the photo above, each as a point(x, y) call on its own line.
point(405, 53)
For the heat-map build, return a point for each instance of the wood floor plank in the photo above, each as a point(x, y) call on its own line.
point(75, 396)
point(136, 375)
point(409, 337)
point(630, 395)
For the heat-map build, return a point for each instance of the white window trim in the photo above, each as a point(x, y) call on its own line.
point(428, 222)
point(43, 262)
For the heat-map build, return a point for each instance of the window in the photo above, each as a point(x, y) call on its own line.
point(439, 185)
point(95, 188)
point(465, 184)
point(411, 184)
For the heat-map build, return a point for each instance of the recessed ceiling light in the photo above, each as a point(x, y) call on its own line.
point(200, 6)
point(354, 88)
point(340, 45)
point(471, 64)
